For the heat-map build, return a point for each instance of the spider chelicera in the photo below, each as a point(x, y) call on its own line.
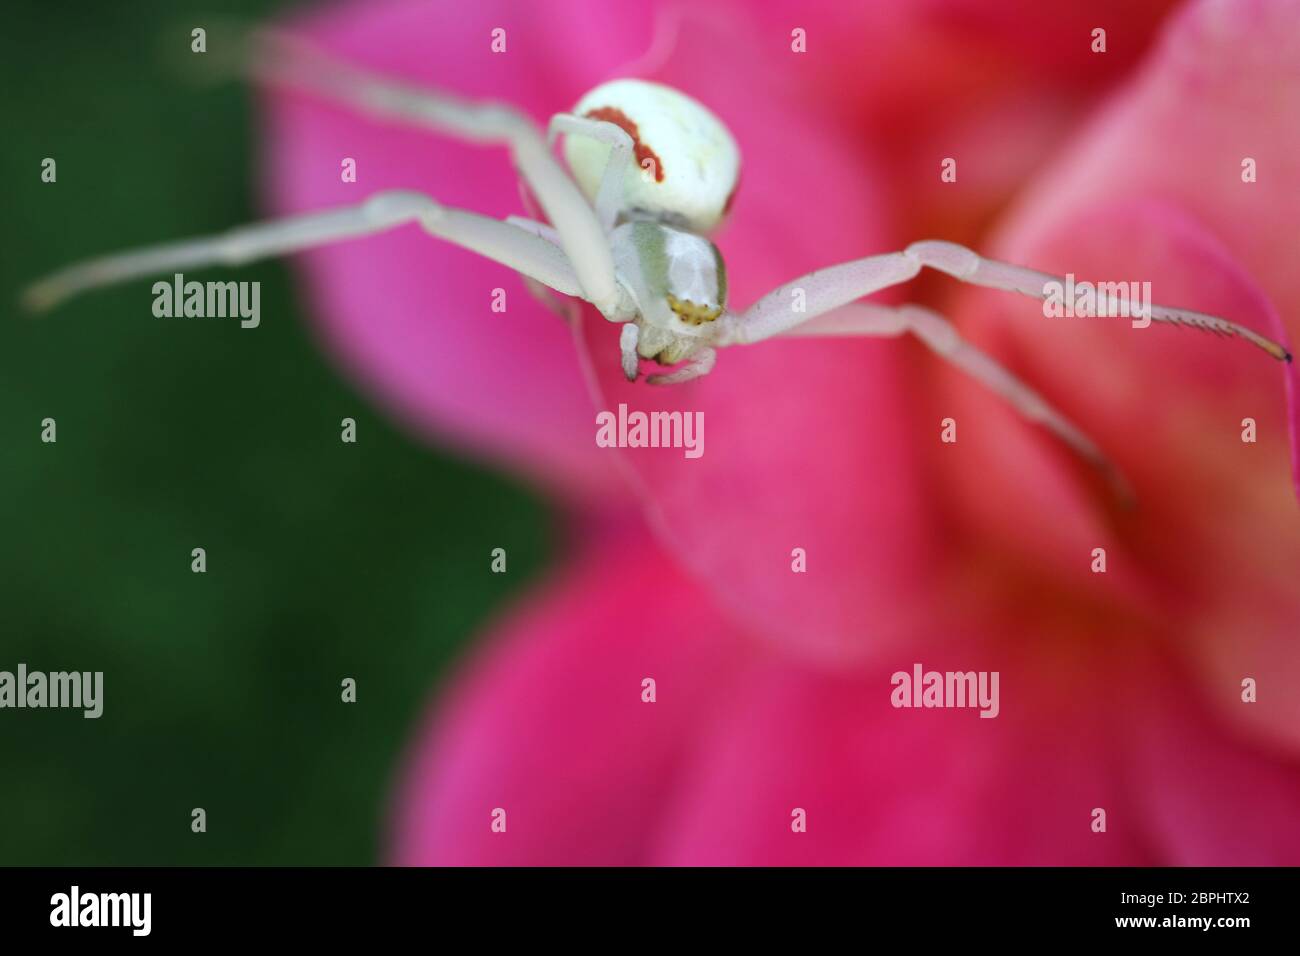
point(653, 172)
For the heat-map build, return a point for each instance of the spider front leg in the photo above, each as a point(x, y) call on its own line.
point(609, 198)
point(829, 288)
point(969, 266)
point(294, 63)
point(812, 295)
point(510, 245)
point(698, 363)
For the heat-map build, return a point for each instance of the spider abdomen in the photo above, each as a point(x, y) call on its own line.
point(687, 163)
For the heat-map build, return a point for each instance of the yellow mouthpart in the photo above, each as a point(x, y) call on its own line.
point(693, 314)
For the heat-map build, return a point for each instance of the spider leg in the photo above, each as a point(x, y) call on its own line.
point(969, 266)
point(609, 198)
point(539, 229)
point(819, 292)
point(628, 338)
point(812, 295)
point(505, 243)
point(560, 305)
point(867, 318)
point(700, 362)
point(294, 63)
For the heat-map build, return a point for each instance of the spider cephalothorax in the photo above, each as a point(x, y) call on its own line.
point(677, 278)
point(651, 173)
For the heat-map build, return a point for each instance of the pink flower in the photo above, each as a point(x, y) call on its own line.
point(1120, 691)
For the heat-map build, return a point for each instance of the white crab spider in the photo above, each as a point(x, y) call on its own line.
point(653, 172)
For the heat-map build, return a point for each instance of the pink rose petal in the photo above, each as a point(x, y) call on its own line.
point(550, 724)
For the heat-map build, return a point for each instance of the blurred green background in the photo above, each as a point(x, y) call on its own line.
point(325, 560)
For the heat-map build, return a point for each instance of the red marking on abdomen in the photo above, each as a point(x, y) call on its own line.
point(641, 150)
point(731, 197)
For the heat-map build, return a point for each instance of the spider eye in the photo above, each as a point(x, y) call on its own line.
point(678, 278)
point(686, 163)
